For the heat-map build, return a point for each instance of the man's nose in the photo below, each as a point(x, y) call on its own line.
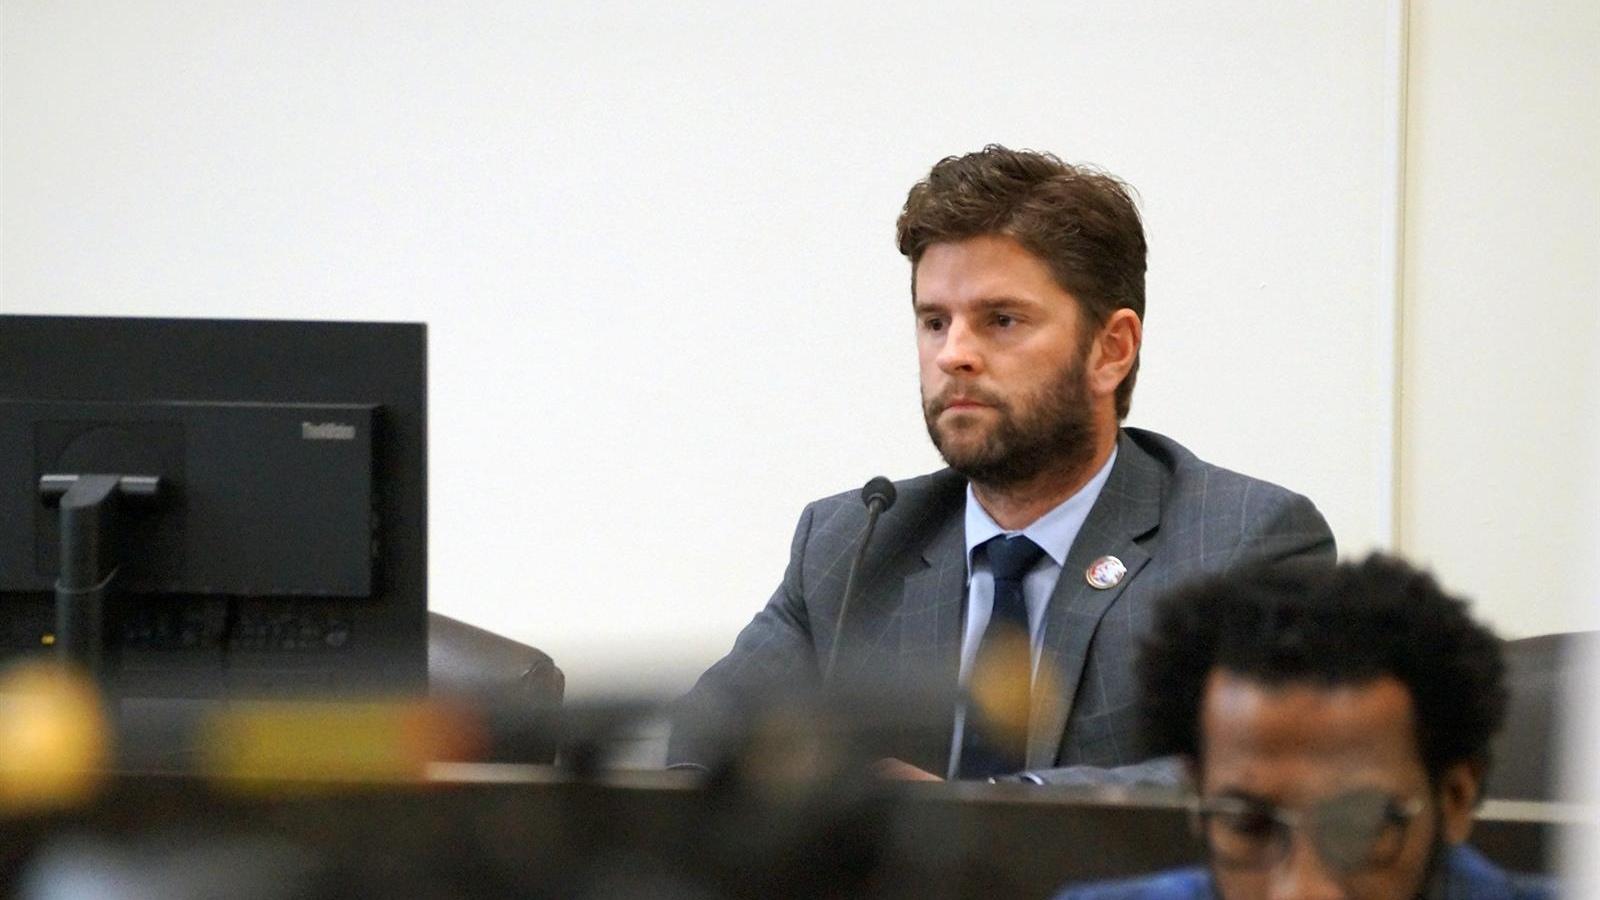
point(1303, 875)
point(959, 351)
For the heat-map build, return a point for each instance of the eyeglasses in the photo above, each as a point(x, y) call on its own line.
point(1351, 832)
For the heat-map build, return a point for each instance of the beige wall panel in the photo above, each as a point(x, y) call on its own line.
point(1500, 457)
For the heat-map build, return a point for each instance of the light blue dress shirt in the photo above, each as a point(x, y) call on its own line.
point(1054, 532)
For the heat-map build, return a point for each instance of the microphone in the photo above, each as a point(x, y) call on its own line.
point(878, 496)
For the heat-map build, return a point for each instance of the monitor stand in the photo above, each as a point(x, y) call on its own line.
point(90, 508)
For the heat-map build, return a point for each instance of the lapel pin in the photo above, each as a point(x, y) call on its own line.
point(1105, 572)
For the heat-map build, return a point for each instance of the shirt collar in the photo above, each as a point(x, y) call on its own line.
point(1054, 531)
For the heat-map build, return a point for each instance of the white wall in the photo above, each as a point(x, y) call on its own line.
point(654, 248)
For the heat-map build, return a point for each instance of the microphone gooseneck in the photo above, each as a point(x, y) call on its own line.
point(878, 496)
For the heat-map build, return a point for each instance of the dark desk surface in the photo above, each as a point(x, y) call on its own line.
point(528, 831)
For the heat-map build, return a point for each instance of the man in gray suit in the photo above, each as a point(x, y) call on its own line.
point(1026, 572)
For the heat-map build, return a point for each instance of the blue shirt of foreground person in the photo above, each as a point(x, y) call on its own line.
point(1335, 726)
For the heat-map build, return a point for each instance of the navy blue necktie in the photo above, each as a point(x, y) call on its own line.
point(994, 739)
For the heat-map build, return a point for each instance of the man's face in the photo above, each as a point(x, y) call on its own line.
point(1315, 753)
point(1002, 351)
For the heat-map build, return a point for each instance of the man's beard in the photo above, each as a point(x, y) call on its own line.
point(1052, 430)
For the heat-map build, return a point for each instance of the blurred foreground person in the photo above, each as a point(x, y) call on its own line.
point(1335, 725)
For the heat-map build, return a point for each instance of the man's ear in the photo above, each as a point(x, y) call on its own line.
point(1114, 351)
point(1459, 789)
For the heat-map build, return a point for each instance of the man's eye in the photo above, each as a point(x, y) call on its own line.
point(1249, 824)
point(931, 324)
point(1004, 321)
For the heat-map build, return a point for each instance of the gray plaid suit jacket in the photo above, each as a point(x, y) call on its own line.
point(1165, 513)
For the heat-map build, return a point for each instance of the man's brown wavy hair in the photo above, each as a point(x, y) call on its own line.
point(1081, 222)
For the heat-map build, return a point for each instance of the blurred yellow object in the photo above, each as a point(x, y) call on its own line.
point(55, 741)
point(1000, 683)
point(322, 743)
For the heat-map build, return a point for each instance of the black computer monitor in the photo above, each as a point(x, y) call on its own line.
point(246, 498)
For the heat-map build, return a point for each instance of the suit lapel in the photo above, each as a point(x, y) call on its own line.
point(933, 601)
point(1128, 508)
